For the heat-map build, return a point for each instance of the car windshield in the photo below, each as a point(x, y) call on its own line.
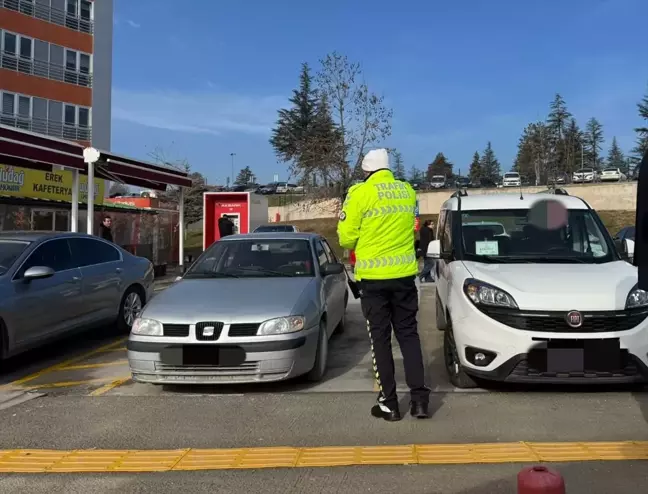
point(610, 170)
point(10, 250)
point(438, 178)
point(512, 175)
point(585, 170)
point(274, 228)
point(253, 259)
point(504, 236)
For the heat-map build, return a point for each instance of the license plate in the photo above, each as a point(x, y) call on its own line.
point(210, 355)
point(583, 355)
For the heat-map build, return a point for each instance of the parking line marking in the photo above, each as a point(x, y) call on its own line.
point(65, 363)
point(93, 366)
point(96, 460)
point(67, 384)
point(110, 386)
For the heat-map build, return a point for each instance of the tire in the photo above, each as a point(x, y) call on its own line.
point(456, 375)
point(341, 327)
point(441, 322)
point(321, 356)
point(129, 308)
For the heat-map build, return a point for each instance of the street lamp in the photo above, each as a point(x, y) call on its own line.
point(232, 155)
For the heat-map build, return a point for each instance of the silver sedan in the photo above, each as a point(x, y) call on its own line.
point(252, 308)
point(52, 284)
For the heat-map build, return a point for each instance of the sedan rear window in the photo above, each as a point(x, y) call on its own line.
point(254, 258)
point(274, 228)
point(10, 250)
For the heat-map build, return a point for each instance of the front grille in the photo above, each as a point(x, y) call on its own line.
point(243, 329)
point(246, 368)
point(628, 369)
point(200, 330)
point(177, 330)
point(593, 322)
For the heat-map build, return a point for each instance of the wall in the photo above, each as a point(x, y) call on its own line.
point(102, 74)
point(602, 197)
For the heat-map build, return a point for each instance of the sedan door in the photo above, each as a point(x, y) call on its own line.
point(46, 307)
point(340, 285)
point(328, 286)
point(102, 268)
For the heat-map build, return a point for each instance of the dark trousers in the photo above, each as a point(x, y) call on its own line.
point(426, 273)
point(388, 304)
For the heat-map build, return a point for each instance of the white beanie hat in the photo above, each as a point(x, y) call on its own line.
point(376, 159)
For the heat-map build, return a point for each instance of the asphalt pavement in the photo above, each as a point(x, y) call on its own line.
point(106, 411)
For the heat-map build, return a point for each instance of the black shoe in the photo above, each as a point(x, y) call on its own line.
point(383, 412)
point(419, 410)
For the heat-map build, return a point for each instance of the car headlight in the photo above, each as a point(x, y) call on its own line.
point(637, 298)
point(481, 293)
point(147, 327)
point(281, 325)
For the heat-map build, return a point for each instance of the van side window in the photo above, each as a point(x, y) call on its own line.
point(446, 236)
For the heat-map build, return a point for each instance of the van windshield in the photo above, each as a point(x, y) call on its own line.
point(505, 236)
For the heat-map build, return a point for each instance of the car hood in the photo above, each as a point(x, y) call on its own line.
point(561, 286)
point(228, 300)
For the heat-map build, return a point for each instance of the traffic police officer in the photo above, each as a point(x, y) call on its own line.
point(377, 221)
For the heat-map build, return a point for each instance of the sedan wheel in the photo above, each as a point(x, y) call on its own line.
point(130, 309)
point(321, 357)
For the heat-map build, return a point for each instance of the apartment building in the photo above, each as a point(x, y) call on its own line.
point(56, 68)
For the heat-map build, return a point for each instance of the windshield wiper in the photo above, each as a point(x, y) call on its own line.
point(265, 271)
point(212, 274)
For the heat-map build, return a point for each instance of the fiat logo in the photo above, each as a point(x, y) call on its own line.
point(574, 319)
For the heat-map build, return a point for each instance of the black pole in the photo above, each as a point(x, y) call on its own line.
point(640, 258)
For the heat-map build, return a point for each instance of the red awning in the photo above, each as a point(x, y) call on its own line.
point(22, 148)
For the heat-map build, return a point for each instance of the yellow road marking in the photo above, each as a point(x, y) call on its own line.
point(65, 363)
point(93, 366)
point(65, 384)
point(106, 350)
point(107, 387)
point(96, 460)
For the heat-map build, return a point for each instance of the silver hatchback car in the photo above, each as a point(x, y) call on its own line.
point(52, 284)
point(252, 308)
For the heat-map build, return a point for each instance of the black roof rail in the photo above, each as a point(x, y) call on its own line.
point(555, 190)
point(460, 193)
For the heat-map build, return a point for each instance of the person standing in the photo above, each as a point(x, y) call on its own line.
point(640, 258)
point(225, 226)
point(426, 235)
point(377, 222)
point(105, 229)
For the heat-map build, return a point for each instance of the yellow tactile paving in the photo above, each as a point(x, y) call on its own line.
point(96, 460)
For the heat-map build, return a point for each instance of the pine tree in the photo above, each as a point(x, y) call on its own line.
point(440, 166)
point(593, 143)
point(415, 175)
point(557, 123)
point(574, 147)
point(398, 167)
point(490, 167)
point(244, 177)
point(616, 158)
point(475, 171)
point(642, 132)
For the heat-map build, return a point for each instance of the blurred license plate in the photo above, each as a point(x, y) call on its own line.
point(212, 355)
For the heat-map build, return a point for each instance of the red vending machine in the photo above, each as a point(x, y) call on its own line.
point(247, 210)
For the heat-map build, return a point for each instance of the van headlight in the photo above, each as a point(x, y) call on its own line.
point(147, 327)
point(637, 298)
point(481, 293)
point(281, 325)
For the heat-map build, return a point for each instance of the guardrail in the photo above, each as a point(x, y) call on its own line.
point(47, 127)
point(49, 14)
point(39, 68)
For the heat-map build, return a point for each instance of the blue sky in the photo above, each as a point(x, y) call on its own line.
point(201, 82)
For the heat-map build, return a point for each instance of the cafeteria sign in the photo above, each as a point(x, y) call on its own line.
point(53, 186)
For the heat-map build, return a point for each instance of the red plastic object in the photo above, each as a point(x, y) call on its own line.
point(540, 480)
point(352, 258)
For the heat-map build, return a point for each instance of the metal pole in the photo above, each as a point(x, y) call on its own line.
point(232, 178)
point(90, 223)
point(74, 216)
point(181, 229)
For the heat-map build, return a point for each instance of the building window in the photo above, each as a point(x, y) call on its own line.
point(25, 63)
point(56, 60)
point(85, 10)
point(9, 46)
point(72, 8)
point(70, 115)
point(24, 113)
point(84, 117)
point(71, 66)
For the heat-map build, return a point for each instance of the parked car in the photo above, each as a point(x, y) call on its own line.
point(53, 284)
point(462, 183)
point(252, 308)
point(612, 175)
point(584, 175)
point(626, 233)
point(438, 182)
point(511, 179)
point(276, 228)
point(268, 189)
point(536, 305)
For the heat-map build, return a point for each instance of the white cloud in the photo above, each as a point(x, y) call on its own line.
point(204, 112)
point(133, 24)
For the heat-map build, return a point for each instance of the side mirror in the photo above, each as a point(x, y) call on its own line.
point(628, 249)
point(333, 268)
point(434, 249)
point(38, 273)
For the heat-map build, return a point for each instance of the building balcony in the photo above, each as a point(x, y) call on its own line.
point(47, 127)
point(44, 69)
point(49, 14)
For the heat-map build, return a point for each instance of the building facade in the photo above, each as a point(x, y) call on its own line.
point(56, 68)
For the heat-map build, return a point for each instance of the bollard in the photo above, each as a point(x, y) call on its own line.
point(540, 480)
